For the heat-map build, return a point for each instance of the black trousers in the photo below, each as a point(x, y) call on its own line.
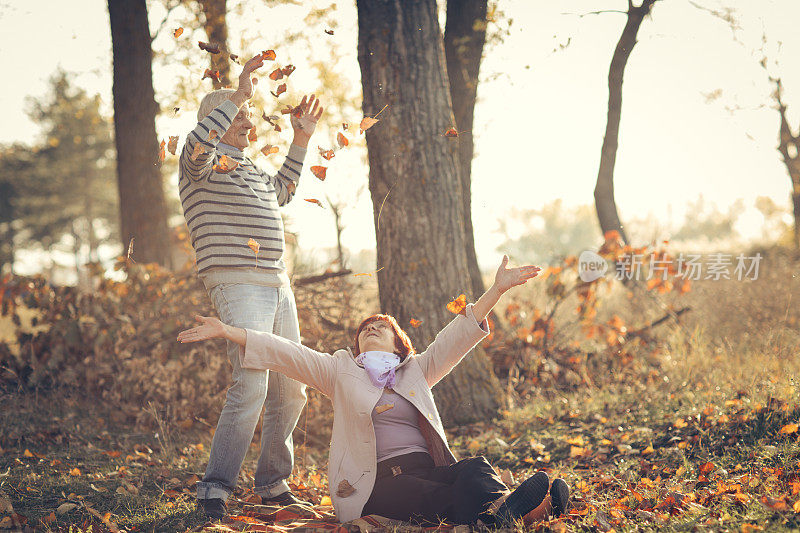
point(410, 488)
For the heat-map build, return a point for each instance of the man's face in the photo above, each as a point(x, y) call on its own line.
point(240, 127)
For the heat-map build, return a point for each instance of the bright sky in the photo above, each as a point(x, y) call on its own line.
point(541, 114)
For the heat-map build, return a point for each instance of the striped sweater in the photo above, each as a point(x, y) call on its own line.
point(225, 210)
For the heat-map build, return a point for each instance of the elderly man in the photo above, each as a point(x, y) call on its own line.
point(229, 202)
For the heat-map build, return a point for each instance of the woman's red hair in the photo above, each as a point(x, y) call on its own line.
point(402, 343)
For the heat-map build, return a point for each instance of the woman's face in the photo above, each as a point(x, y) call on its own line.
point(377, 336)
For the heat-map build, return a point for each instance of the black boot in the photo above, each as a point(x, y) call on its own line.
point(523, 500)
point(213, 508)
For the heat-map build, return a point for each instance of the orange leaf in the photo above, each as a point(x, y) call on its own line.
point(49, 518)
point(276, 74)
point(415, 323)
point(209, 47)
point(198, 149)
point(788, 429)
point(705, 468)
point(161, 152)
point(252, 136)
point(213, 74)
point(342, 140)
point(178, 32)
point(172, 145)
point(314, 201)
point(254, 245)
point(212, 135)
point(268, 55)
point(269, 149)
point(796, 506)
point(287, 70)
point(452, 132)
point(326, 154)
point(319, 171)
point(225, 165)
point(459, 305)
point(367, 123)
point(75, 472)
point(281, 89)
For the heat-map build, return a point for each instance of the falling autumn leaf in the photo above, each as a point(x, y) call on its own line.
point(161, 152)
point(254, 245)
point(234, 57)
point(326, 154)
point(341, 140)
point(198, 149)
point(345, 125)
point(326, 501)
point(175, 110)
point(288, 69)
point(211, 48)
point(314, 201)
point(269, 149)
point(178, 32)
point(452, 132)
point(268, 55)
point(276, 74)
point(279, 91)
point(212, 135)
point(172, 145)
point(366, 123)
point(319, 172)
point(213, 74)
point(415, 323)
point(329, 32)
point(458, 305)
point(252, 136)
point(225, 165)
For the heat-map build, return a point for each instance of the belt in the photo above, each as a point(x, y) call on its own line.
point(403, 464)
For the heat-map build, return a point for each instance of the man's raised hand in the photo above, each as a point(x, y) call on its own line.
point(245, 90)
point(306, 123)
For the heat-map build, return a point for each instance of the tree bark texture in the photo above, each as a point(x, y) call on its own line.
point(464, 37)
point(216, 28)
point(416, 191)
point(141, 193)
point(791, 157)
point(605, 204)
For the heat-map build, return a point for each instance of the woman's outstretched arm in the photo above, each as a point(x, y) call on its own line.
point(266, 351)
point(463, 333)
point(504, 279)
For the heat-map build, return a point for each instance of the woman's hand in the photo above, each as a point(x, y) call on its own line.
point(211, 328)
point(306, 123)
point(503, 280)
point(511, 277)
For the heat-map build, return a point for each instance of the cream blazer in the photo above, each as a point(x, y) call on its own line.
point(352, 462)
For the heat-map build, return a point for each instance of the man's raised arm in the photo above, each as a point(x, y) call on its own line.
point(197, 156)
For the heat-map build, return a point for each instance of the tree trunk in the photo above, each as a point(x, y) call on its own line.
point(789, 147)
point(216, 28)
point(143, 211)
point(419, 229)
point(464, 37)
point(604, 190)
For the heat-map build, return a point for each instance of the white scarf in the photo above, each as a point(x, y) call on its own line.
point(380, 367)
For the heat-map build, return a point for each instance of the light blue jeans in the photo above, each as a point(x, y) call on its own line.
point(261, 308)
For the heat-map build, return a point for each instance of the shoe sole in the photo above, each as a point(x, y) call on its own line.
point(559, 494)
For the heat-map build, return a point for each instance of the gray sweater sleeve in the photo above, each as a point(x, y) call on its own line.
point(218, 120)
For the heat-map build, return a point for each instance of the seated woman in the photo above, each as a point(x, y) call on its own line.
point(389, 454)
